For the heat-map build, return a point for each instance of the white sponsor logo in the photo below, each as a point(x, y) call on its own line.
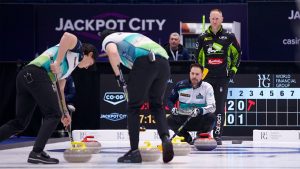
point(120, 136)
point(264, 80)
point(284, 80)
point(210, 50)
point(113, 116)
point(264, 135)
point(134, 24)
point(114, 98)
point(223, 37)
point(294, 15)
point(289, 41)
point(218, 126)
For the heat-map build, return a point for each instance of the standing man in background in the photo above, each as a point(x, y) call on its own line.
point(175, 50)
point(148, 78)
point(219, 52)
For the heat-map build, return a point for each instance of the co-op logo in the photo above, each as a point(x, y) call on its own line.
point(113, 116)
point(114, 98)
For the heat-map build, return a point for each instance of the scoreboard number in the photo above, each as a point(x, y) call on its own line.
point(235, 119)
point(263, 93)
point(240, 105)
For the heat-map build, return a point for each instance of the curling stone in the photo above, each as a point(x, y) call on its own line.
point(78, 153)
point(92, 145)
point(180, 148)
point(149, 152)
point(205, 142)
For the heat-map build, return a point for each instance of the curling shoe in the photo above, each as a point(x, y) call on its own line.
point(167, 148)
point(42, 158)
point(132, 156)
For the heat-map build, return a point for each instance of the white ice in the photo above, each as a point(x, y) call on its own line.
point(231, 156)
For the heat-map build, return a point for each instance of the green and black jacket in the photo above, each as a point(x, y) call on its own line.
point(220, 53)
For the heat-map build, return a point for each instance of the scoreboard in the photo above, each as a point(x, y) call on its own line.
point(254, 101)
point(263, 100)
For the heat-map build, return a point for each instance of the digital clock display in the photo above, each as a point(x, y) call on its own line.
point(147, 119)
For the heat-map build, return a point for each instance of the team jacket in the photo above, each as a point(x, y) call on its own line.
point(132, 46)
point(68, 64)
point(219, 53)
point(189, 97)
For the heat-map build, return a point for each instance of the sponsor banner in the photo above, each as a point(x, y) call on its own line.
point(112, 113)
point(120, 136)
point(266, 80)
point(113, 104)
point(45, 24)
point(274, 31)
point(114, 98)
point(113, 116)
point(115, 135)
point(276, 136)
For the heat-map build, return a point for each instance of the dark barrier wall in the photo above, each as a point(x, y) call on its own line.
point(87, 86)
point(274, 31)
point(8, 72)
point(261, 97)
point(34, 28)
point(17, 32)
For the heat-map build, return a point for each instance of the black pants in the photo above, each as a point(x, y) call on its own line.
point(220, 86)
point(201, 124)
point(34, 87)
point(147, 80)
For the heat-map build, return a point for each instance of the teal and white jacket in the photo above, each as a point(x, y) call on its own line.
point(189, 98)
point(68, 64)
point(132, 46)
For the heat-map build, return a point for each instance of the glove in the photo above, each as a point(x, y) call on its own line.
point(71, 108)
point(121, 82)
point(174, 111)
point(197, 111)
point(231, 74)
